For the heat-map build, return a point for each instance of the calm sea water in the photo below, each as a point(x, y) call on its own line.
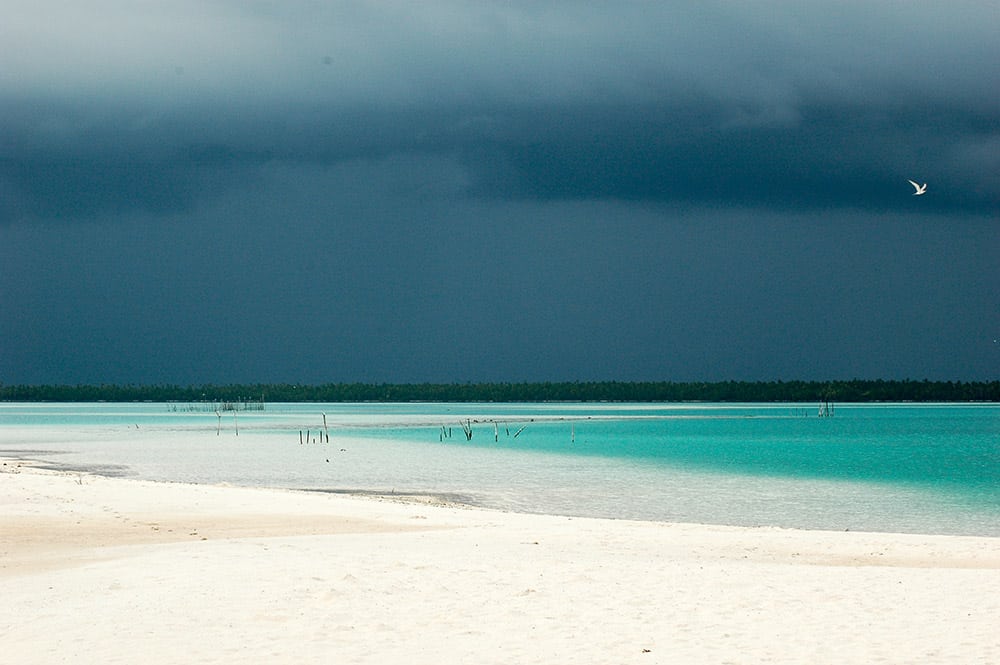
point(926, 468)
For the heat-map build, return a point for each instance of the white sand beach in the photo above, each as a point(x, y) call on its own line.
point(111, 570)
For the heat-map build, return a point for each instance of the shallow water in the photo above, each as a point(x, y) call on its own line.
point(926, 468)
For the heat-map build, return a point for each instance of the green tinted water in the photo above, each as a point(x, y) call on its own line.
point(933, 468)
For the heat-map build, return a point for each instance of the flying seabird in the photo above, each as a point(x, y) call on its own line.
point(921, 189)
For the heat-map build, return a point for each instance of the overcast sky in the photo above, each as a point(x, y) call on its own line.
point(242, 191)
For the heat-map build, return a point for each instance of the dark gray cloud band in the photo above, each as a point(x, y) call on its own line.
point(251, 191)
point(778, 105)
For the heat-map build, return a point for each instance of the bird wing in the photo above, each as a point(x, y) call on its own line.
point(914, 184)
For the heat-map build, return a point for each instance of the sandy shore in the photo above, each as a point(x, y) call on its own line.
point(109, 570)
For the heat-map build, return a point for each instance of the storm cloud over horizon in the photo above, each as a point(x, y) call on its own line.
point(447, 191)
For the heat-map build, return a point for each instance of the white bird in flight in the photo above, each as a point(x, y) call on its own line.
point(921, 189)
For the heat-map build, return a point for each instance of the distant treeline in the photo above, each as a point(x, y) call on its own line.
point(600, 391)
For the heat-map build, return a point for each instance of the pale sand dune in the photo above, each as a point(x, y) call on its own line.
point(100, 570)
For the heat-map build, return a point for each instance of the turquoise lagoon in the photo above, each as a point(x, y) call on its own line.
point(886, 467)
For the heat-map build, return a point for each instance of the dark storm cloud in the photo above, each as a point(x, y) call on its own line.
point(256, 191)
point(771, 104)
